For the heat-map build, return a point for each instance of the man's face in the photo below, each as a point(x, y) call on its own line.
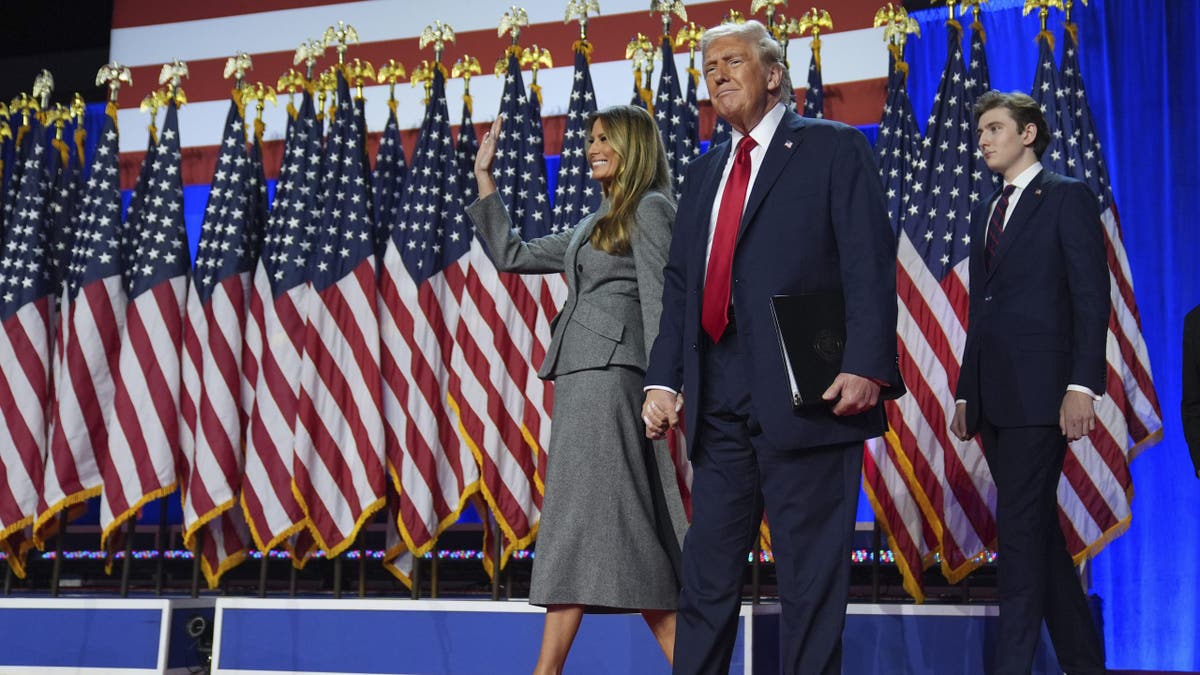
point(738, 83)
point(1004, 146)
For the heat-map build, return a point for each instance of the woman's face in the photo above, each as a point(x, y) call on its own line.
point(601, 155)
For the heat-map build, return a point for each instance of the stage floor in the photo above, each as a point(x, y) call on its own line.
point(251, 636)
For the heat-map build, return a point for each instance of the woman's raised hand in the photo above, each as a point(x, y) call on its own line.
point(485, 158)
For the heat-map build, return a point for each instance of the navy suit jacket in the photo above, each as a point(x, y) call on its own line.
point(1039, 318)
point(815, 220)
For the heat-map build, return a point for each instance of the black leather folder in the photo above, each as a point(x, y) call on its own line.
point(811, 328)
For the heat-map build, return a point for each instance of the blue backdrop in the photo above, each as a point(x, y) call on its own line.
point(1140, 68)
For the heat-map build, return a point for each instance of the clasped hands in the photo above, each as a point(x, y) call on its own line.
point(850, 394)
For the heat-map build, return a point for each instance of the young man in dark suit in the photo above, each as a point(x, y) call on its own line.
point(790, 205)
point(1032, 368)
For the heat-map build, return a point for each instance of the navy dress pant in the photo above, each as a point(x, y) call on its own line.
point(1037, 578)
point(810, 496)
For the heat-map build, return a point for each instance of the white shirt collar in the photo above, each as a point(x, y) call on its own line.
point(764, 131)
point(1025, 177)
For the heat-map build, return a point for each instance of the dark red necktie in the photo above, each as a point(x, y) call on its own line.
point(996, 225)
point(714, 315)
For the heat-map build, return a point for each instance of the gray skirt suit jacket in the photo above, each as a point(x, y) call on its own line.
point(612, 518)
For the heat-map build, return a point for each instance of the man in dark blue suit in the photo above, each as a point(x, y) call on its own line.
point(788, 206)
point(1032, 368)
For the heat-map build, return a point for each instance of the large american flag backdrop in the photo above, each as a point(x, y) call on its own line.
point(372, 354)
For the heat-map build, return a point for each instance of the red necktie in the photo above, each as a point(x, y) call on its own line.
point(714, 315)
point(996, 225)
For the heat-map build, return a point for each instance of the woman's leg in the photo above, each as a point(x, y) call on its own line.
point(662, 624)
point(562, 622)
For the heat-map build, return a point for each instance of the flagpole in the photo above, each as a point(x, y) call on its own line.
point(415, 579)
point(433, 573)
point(498, 539)
point(262, 574)
point(127, 562)
point(362, 561)
point(196, 562)
point(337, 576)
point(163, 535)
point(876, 544)
point(56, 572)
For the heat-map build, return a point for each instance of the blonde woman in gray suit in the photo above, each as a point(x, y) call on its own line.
point(612, 518)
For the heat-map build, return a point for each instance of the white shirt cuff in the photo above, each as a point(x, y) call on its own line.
point(1083, 390)
point(659, 386)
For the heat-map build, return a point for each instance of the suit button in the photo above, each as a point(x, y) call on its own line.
point(579, 267)
point(694, 347)
point(987, 298)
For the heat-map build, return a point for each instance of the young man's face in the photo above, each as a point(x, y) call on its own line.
point(1006, 149)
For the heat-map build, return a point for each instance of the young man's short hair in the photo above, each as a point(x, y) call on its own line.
point(1022, 108)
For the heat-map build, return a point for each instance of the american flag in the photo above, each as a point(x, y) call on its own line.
point(898, 148)
point(978, 79)
point(10, 168)
point(274, 340)
point(399, 555)
point(949, 479)
point(390, 175)
point(1141, 409)
point(432, 468)
point(92, 305)
point(887, 474)
point(576, 194)
point(1096, 486)
point(63, 203)
point(210, 403)
point(978, 82)
point(25, 351)
point(61, 177)
point(814, 96)
point(675, 117)
point(510, 480)
point(338, 468)
point(143, 431)
point(694, 107)
point(145, 35)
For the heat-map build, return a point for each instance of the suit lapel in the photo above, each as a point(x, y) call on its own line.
point(979, 218)
point(706, 203)
point(582, 233)
point(783, 145)
point(1018, 222)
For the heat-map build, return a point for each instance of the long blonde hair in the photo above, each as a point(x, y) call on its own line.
point(634, 137)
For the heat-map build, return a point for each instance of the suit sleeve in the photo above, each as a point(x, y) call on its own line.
point(664, 366)
point(1082, 240)
point(1189, 405)
point(651, 243)
point(867, 256)
point(543, 255)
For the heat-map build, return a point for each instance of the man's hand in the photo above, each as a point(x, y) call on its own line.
point(958, 425)
point(660, 412)
point(1077, 416)
point(853, 393)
